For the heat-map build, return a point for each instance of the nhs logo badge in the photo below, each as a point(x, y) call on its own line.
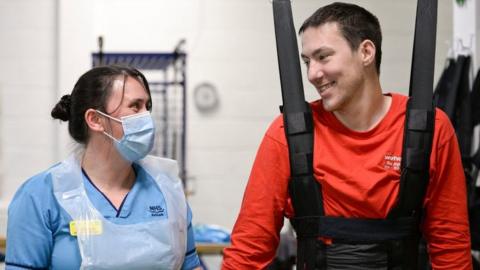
point(156, 210)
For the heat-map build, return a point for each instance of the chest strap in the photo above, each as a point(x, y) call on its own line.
point(355, 230)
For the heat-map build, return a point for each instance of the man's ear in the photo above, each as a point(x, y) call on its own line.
point(94, 120)
point(367, 51)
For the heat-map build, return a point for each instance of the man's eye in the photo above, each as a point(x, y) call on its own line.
point(322, 57)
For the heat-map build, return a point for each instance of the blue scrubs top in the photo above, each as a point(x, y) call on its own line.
point(38, 235)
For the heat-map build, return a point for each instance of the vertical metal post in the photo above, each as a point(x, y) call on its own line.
point(183, 83)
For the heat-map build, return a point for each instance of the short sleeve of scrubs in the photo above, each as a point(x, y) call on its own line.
point(29, 232)
point(191, 257)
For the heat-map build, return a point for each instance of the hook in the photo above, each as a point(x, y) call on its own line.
point(465, 49)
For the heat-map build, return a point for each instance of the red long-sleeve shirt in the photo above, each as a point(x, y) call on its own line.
point(359, 173)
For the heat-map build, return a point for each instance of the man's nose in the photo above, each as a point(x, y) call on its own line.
point(315, 72)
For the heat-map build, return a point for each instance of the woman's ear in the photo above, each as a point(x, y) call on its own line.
point(367, 51)
point(93, 120)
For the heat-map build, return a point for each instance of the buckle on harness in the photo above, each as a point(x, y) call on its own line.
point(306, 227)
point(299, 122)
point(420, 120)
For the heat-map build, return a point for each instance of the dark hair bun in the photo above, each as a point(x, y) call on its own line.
point(62, 109)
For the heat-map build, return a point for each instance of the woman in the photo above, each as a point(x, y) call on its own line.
point(110, 206)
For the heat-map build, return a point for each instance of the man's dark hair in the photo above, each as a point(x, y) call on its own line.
point(355, 23)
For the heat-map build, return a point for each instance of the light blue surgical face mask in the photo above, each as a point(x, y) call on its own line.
point(138, 135)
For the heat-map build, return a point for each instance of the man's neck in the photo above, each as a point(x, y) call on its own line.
point(367, 110)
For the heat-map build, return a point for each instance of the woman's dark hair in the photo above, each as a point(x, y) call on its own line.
point(354, 22)
point(92, 91)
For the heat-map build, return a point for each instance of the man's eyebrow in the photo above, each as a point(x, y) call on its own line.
point(317, 51)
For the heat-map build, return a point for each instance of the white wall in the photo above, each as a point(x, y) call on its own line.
point(229, 43)
point(466, 25)
point(27, 53)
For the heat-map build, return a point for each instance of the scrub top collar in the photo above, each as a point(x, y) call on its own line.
point(104, 205)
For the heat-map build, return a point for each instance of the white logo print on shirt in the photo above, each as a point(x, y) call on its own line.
point(392, 162)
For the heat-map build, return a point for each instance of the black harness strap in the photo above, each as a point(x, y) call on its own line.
point(420, 117)
point(418, 135)
point(347, 230)
point(304, 190)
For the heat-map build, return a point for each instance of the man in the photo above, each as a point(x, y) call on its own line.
point(358, 134)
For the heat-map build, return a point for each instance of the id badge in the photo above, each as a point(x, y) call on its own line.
point(86, 227)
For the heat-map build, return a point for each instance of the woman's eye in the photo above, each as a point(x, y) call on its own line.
point(135, 106)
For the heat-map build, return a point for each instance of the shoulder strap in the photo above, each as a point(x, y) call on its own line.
point(418, 134)
point(304, 190)
point(420, 118)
